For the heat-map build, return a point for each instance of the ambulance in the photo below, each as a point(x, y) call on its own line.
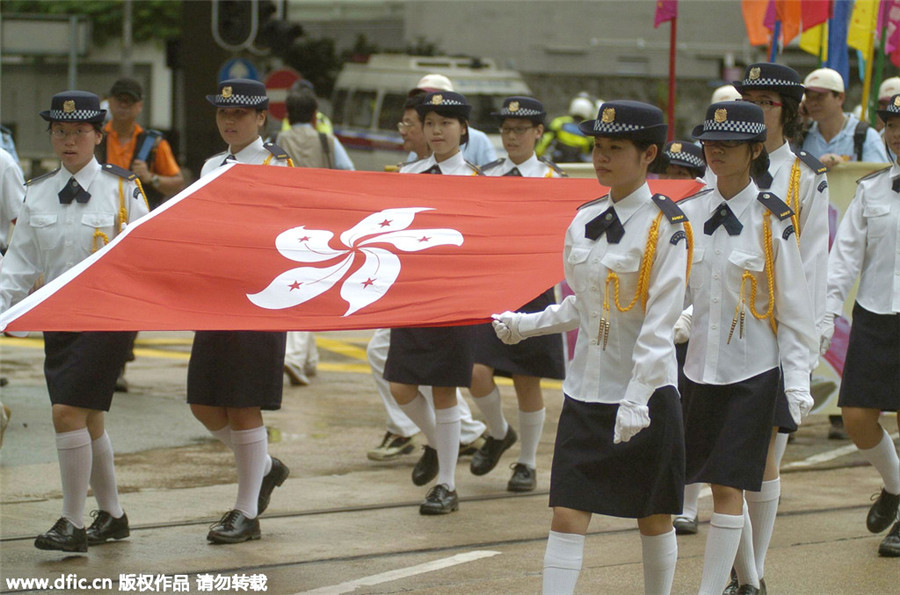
point(368, 101)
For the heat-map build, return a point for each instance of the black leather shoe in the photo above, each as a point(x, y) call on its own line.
point(890, 545)
point(63, 536)
point(234, 527)
point(275, 477)
point(489, 455)
point(440, 500)
point(105, 527)
point(883, 512)
point(748, 590)
point(426, 467)
point(685, 525)
point(524, 478)
point(733, 586)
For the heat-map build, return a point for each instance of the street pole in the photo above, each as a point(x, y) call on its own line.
point(127, 62)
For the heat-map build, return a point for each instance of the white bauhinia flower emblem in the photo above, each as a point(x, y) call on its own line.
point(367, 283)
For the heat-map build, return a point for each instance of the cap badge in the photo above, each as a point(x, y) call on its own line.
point(896, 101)
point(69, 106)
point(675, 148)
point(754, 73)
point(226, 92)
point(721, 115)
point(437, 99)
point(513, 106)
point(609, 115)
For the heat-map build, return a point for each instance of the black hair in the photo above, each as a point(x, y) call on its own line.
point(414, 101)
point(660, 161)
point(791, 122)
point(301, 106)
point(759, 166)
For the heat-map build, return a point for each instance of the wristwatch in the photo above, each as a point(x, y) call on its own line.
point(154, 181)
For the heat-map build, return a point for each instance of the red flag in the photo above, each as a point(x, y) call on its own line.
point(814, 12)
point(258, 248)
point(666, 10)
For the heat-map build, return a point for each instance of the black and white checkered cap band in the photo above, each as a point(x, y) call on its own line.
point(733, 126)
point(522, 112)
point(77, 115)
point(446, 101)
point(767, 82)
point(686, 157)
point(243, 99)
point(614, 127)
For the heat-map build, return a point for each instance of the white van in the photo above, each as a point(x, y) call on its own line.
point(368, 100)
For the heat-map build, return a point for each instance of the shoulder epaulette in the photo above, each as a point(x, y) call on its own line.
point(775, 205)
point(493, 164)
point(703, 192)
point(592, 202)
point(119, 171)
point(669, 208)
point(553, 166)
point(41, 177)
point(813, 163)
point(475, 168)
point(874, 174)
point(275, 150)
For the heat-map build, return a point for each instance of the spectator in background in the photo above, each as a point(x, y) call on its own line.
point(410, 127)
point(888, 88)
point(835, 136)
point(564, 142)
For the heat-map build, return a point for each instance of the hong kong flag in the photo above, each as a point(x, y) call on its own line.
point(271, 248)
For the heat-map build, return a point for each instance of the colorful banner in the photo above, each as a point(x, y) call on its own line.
point(666, 10)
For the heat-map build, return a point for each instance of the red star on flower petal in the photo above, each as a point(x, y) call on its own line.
point(295, 285)
point(304, 239)
point(385, 223)
point(368, 282)
point(424, 239)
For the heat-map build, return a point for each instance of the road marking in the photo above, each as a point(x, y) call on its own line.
point(393, 575)
point(826, 456)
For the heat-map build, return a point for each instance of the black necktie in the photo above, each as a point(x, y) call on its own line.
point(723, 216)
point(764, 181)
point(606, 222)
point(513, 172)
point(73, 191)
point(896, 185)
point(434, 169)
point(225, 161)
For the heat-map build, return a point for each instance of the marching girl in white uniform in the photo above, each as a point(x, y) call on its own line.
point(620, 444)
point(234, 375)
point(67, 215)
point(751, 320)
point(521, 126)
point(439, 357)
point(867, 246)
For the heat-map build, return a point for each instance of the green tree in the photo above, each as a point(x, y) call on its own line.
point(152, 20)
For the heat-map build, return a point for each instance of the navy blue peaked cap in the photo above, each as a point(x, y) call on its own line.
point(240, 93)
point(685, 154)
point(521, 107)
point(74, 106)
point(732, 120)
point(445, 103)
point(627, 119)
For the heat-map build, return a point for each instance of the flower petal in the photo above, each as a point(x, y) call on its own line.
point(372, 280)
point(413, 240)
point(299, 285)
point(381, 222)
point(306, 245)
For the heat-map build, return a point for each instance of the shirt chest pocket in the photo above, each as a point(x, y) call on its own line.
point(625, 267)
point(699, 272)
point(740, 261)
point(46, 230)
point(878, 220)
point(97, 229)
point(578, 270)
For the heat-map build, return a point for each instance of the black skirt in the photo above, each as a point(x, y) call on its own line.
point(633, 479)
point(871, 376)
point(538, 356)
point(728, 428)
point(237, 369)
point(433, 356)
point(81, 368)
point(783, 420)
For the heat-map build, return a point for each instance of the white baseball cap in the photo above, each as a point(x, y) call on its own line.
point(725, 93)
point(824, 79)
point(434, 82)
point(889, 88)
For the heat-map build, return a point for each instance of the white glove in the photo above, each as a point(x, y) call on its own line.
point(506, 326)
point(799, 402)
point(827, 333)
point(630, 419)
point(683, 327)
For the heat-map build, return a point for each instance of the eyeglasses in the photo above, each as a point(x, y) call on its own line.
point(401, 126)
point(721, 144)
point(515, 131)
point(765, 104)
point(59, 133)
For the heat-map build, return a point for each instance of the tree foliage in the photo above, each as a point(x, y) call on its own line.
point(152, 20)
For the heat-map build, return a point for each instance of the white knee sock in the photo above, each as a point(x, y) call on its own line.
point(491, 407)
point(883, 456)
point(659, 552)
point(721, 546)
point(250, 451)
point(781, 442)
point(446, 436)
point(224, 436)
point(75, 458)
point(531, 426)
point(763, 508)
point(691, 499)
point(103, 476)
point(745, 561)
point(422, 414)
point(562, 562)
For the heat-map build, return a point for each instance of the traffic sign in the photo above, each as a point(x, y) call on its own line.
point(277, 84)
point(238, 68)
